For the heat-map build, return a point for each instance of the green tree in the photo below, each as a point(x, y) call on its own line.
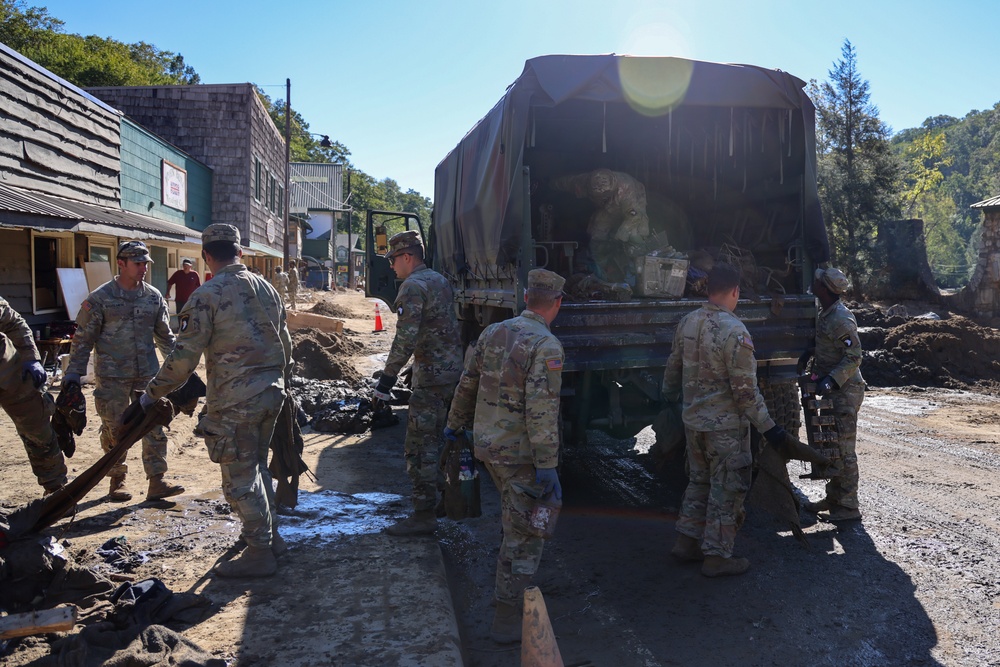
point(857, 171)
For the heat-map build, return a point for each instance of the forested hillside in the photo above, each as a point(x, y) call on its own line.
point(949, 164)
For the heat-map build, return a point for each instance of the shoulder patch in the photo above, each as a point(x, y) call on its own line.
point(554, 364)
point(86, 305)
point(846, 340)
point(184, 322)
point(745, 341)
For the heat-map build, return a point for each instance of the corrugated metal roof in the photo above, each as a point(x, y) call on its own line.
point(34, 203)
point(987, 203)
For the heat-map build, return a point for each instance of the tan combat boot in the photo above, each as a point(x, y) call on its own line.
point(158, 489)
point(507, 623)
point(822, 505)
point(252, 562)
point(117, 492)
point(837, 513)
point(278, 544)
point(718, 566)
point(423, 522)
point(687, 549)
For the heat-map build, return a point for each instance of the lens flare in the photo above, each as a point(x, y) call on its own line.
point(654, 86)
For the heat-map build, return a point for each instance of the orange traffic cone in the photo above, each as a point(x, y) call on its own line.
point(378, 320)
point(538, 642)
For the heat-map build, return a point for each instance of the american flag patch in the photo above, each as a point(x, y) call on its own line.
point(554, 364)
point(86, 305)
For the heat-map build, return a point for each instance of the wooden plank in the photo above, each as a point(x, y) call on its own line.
point(98, 273)
point(59, 619)
point(298, 320)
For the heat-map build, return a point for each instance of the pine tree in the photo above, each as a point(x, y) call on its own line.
point(858, 173)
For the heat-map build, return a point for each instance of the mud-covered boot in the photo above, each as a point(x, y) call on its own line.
point(687, 549)
point(822, 505)
point(837, 513)
point(252, 562)
point(278, 544)
point(718, 566)
point(423, 522)
point(117, 492)
point(158, 489)
point(507, 623)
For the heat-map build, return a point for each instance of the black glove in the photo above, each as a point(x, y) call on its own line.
point(451, 434)
point(384, 386)
point(826, 385)
point(35, 370)
point(136, 410)
point(549, 478)
point(775, 435)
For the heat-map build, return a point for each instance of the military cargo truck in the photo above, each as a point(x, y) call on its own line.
point(725, 158)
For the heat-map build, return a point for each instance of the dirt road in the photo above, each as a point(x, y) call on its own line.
point(915, 583)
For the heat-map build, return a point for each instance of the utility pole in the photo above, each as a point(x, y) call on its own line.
point(350, 245)
point(288, 160)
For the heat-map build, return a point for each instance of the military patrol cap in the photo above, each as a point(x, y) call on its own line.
point(833, 279)
point(403, 241)
point(543, 279)
point(220, 232)
point(134, 250)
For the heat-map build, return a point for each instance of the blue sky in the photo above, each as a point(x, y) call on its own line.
point(399, 83)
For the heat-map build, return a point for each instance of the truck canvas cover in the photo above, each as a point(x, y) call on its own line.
point(743, 131)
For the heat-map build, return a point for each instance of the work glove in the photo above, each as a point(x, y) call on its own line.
point(35, 370)
point(136, 410)
point(776, 435)
point(451, 434)
point(384, 387)
point(826, 385)
point(71, 378)
point(549, 479)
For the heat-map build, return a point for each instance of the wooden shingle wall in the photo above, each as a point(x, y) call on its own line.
point(53, 138)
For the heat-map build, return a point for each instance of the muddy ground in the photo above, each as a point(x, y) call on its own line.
point(914, 583)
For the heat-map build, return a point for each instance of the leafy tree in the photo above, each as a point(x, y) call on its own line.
point(91, 60)
point(858, 173)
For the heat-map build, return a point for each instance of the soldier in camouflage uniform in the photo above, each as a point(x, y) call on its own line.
point(712, 368)
point(237, 321)
point(22, 379)
point(427, 330)
point(619, 224)
point(121, 321)
point(508, 397)
point(281, 283)
point(293, 284)
point(837, 365)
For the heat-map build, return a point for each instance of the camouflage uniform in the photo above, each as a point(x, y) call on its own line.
point(293, 285)
point(713, 366)
point(29, 408)
point(121, 327)
point(618, 224)
point(281, 284)
point(509, 396)
point(427, 330)
point(838, 354)
point(237, 321)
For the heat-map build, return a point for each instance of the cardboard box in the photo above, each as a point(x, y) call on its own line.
point(661, 277)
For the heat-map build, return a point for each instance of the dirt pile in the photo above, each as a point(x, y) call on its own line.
point(332, 310)
point(325, 356)
point(929, 350)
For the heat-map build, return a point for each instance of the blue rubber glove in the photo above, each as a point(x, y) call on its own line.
point(451, 434)
point(136, 409)
point(35, 370)
point(549, 478)
point(71, 378)
point(384, 386)
point(826, 385)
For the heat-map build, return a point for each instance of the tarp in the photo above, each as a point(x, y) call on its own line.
point(479, 191)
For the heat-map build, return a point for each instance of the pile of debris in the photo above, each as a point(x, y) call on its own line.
point(927, 350)
point(325, 356)
point(332, 310)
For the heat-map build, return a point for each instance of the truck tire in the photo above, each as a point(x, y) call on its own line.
point(783, 404)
